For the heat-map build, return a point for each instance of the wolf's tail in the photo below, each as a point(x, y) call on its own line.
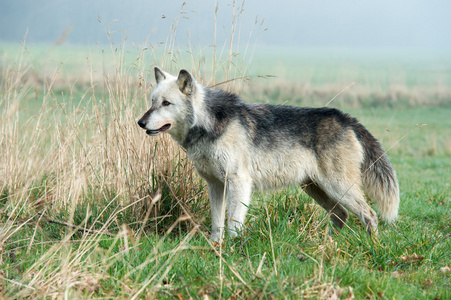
point(379, 176)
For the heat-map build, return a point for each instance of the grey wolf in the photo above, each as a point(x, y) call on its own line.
point(238, 147)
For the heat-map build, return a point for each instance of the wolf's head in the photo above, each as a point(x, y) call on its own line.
point(172, 105)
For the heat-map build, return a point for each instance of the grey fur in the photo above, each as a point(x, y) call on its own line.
point(237, 147)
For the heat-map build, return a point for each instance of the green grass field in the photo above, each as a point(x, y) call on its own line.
point(91, 207)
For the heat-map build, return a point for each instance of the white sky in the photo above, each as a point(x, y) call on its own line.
point(318, 23)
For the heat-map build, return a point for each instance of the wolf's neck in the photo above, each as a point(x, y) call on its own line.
point(201, 115)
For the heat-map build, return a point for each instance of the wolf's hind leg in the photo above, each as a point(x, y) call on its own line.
point(217, 206)
point(338, 214)
point(351, 197)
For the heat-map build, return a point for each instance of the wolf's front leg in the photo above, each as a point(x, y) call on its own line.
point(238, 195)
point(217, 206)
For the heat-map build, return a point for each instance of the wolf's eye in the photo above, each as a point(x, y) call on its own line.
point(166, 103)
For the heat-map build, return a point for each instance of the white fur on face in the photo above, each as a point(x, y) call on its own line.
point(177, 112)
point(173, 114)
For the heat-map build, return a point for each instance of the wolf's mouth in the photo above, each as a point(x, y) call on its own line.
point(162, 129)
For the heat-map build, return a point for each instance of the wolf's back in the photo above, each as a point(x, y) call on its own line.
point(378, 175)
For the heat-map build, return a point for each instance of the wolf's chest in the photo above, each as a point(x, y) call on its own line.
point(209, 164)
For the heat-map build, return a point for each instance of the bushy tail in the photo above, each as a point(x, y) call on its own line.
point(379, 177)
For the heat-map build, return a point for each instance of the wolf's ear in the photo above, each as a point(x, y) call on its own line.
point(159, 75)
point(186, 82)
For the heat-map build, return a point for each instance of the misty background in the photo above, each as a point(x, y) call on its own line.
point(411, 24)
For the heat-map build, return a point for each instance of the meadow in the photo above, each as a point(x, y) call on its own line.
point(91, 207)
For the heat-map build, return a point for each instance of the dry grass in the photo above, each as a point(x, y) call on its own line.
point(70, 150)
point(358, 95)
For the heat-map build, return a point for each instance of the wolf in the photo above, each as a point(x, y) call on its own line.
point(238, 147)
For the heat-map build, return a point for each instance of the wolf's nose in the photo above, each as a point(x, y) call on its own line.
point(142, 123)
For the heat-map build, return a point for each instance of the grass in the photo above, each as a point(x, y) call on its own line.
point(303, 261)
point(92, 208)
